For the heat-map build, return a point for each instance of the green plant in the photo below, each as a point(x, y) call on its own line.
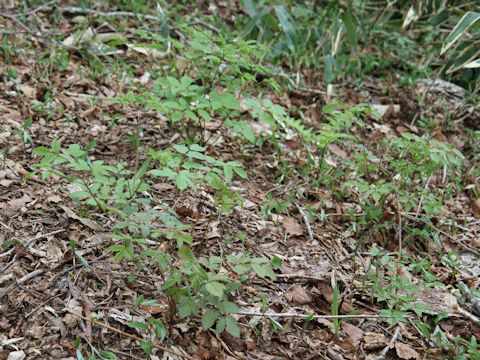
point(214, 74)
point(403, 174)
point(388, 284)
point(193, 285)
point(467, 53)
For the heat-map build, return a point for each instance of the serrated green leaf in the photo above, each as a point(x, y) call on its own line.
point(138, 325)
point(228, 307)
point(228, 172)
point(215, 288)
point(198, 148)
point(108, 355)
point(220, 325)
point(146, 346)
point(232, 326)
point(183, 180)
point(182, 149)
point(165, 172)
point(208, 318)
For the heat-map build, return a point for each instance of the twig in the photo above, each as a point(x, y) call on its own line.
point(197, 21)
point(22, 280)
point(300, 276)
point(399, 214)
point(129, 335)
point(468, 315)
point(305, 220)
point(19, 23)
point(458, 242)
point(31, 240)
point(303, 316)
point(395, 336)
point(41, 7)
point(81, 11)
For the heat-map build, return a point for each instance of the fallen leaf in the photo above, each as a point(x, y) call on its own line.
point(161, 187)
point(438, 300)
point(17, 204)
point(36, 331)
point(476, 207)
point(87, 222)
point(337, 151)
point(404, 351)
point(6, 183)
point(297, 295)
point(28, 91)
point(292, 226)
point(374, 341)
point(17, 355)
point(54, 199)
point(355, 334)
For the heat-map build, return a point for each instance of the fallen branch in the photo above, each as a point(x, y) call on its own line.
point(303, 316)
point(309, 278)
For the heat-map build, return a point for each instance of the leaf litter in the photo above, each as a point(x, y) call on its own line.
point(58, 293)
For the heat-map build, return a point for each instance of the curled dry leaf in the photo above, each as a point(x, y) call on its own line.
point(292, 226)
point(374, 341)
point(355, 334)
point(87, 222)
point(297, 295)
point(28, 91)
point(337, 150)
point(17, 204)
point(476, 207)
point(404, 351)
point(438, 300)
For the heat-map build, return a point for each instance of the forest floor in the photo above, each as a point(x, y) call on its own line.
point(56, 269)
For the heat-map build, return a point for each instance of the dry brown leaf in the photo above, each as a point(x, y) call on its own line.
point(355, 334)
point(292, 226)
point(87, 222)
point(54, 199)
point(297, 295)
point(17, 204)
point(6, 183)
point(28, 91)
point(337, 151)
point(476, 207)
point(374, 341)
point(438, 300)
point(404, 351)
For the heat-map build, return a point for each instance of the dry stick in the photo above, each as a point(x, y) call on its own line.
point(468, 315)
point(22, 280)
point(462, 245)
point(18, 23)
point(130, 335)
point(302, 316)
point(305, 220)
point(29, 241)
point(41, 7)
point(399, 214)
point(300, 277)
point(391, 345)
point(81, 11)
